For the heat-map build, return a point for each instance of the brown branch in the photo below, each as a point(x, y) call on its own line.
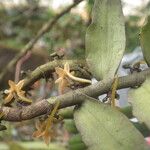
point(48, 68)
point(71, 98)
point(19, 64)
point(46, 27)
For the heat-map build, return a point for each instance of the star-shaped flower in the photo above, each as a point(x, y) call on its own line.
point(62, 80)
point(44, 129)
point(42, 132)
point(15, 91)
point(65, 75)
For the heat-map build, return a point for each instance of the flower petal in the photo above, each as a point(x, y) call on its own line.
point(37, 134)
point(23, 98)
point(59, 80)
point(12, 84)
point(59, 71)
point(47, 137)
point(66, 67)
point(20, 84)
point(9, 98)
point(62, 85)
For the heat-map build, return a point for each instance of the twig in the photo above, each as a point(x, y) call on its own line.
point(19, 64)
point(46, 27)
point(72, 98)
point(48, 68)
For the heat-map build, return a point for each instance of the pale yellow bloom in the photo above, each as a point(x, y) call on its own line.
point(15, 90)
point(64, 75)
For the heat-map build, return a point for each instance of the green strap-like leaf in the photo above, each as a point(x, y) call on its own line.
point(105, 128)
point(145, 40)
point(105, 38)
point(140, 100)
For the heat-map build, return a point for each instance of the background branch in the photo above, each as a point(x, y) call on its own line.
point(72, 98)
point(46, 27)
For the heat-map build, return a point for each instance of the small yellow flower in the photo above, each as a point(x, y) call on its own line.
point(44, 129)
point(42, 132)
point(64, 75)
point(15, 90)
point(40, 128)
point(62, 79)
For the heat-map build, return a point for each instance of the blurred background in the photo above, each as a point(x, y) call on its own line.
point(20, 20)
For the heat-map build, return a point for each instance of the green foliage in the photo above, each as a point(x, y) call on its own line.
point(101, 126)
point(68, 33)
point(105, 128)
point(142, 128)
point(127, 111)
point(132, 33)
point(75, 143)
point(140, 100)
point(70, 126)
point(21, 26)
point(77, 146)
point(30, 146)
point(140, 97)
point(15, 146)
point(145, 40)
point(105, 38)
point(67, 113)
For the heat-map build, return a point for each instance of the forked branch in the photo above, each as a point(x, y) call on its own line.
point(72, 98)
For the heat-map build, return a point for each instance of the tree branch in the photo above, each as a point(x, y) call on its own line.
point(46, 27)
point(72, 98)
point(48, 68)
